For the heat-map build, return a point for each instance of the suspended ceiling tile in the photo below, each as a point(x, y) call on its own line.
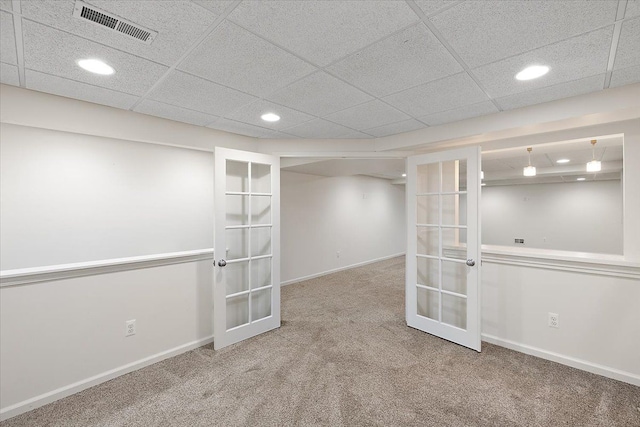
point(243, 129)
point(431, 7)
point(318, 128)
point(406, 59)
point(609, 154)
point(55, 52)
point(316, 94)
point(582, 56)
point(628, 52)
point(633, 8)
point(251, 114)
point(367, 115)
point(625, 76)
point(494, 166)
point(7, 39)
point(215, 6)
point(323, 31)
point(77, 90)
point(171, 112)
point(551, 93)
point(236, 58)
point(465, 112)
point(486, 31)
point(9, 74)
point(184, 90)
point(178, 24)
point(441, 95)
point(5, 5)
point(354, 134)
point(395, 128)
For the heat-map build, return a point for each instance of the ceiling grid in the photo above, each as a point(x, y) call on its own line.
point(329, 69)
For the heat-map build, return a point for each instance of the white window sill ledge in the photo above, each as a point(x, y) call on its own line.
point(581, 262)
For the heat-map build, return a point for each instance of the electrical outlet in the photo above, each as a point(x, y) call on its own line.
point(338, 254)
point(130, 328)
point(554, 320)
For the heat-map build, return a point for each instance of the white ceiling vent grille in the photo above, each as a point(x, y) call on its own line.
point(109, 20)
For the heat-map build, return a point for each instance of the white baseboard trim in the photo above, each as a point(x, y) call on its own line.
point(584, 365)
point(335, 270)
point(68, 390)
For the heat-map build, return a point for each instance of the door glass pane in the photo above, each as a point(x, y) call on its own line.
point(237, 243)
point(454, 277)
point(451, 207)
point(454, 175)
point(260, 210)
point(237, 311)
point(260, 241)
point(428, 271)
point(428, 241)
point(260, 304)
point(454, 311)
point(428, 210)
point(428, 303)
point(237, 277)
point(237, 209)
point(237, 176)
point(260, 178)
point(428, 178)
point(260, 272)
point(452, 247)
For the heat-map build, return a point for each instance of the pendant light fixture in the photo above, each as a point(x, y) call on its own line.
point(529, 170)
point(594, 165)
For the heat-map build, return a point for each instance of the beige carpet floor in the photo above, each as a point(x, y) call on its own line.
point(344, 357)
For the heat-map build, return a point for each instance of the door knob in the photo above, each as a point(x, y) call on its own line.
point(471, 262)
point(222, 263)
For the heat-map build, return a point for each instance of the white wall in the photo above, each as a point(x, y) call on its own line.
point(599, 317)
point(359, 216)
point(70, 198)
point(62, 336)
point(581, 216)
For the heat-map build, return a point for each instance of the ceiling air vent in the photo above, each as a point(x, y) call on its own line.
point(109, 20)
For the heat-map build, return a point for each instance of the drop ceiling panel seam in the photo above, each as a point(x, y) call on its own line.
point(599, 27)
point(324, 69)
point(17, 28)
point(93, 41)
point(622, 6)
point(449, 48)
point(444, 8)
point(187, 52)
point(612, 53)
point(85, 83)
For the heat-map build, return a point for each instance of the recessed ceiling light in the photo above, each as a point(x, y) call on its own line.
point(580, 179)
point(532, 72)
point(270, 117)
point(563, 161)
point(96, 66)
point(483, 184)
point(404, 174)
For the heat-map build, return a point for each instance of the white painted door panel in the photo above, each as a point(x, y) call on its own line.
point(443, 245)
point(246, 245)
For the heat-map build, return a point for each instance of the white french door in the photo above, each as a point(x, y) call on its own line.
point(443, 245)
point(246, 245)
